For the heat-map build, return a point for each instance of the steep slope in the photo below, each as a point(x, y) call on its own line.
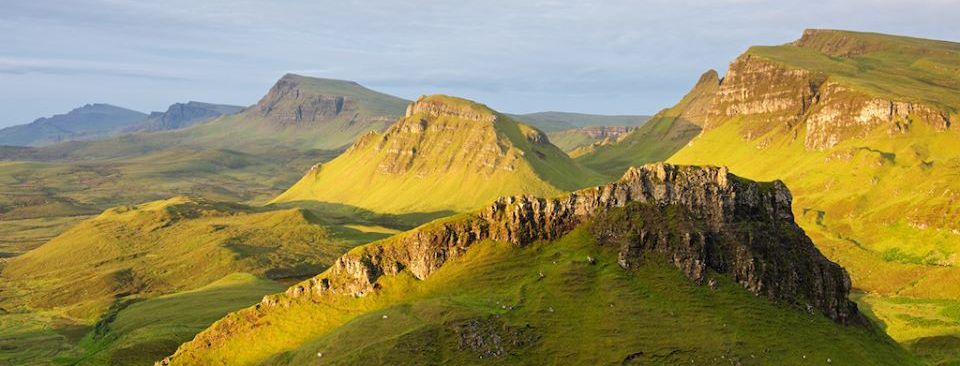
point(445, 154)
point(183, 115)
point(589, 278)
point(860, 125)
point(87, 122)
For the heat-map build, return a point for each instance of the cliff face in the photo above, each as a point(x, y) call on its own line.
point(288, 105)
point(730, 226)
point(303, 102)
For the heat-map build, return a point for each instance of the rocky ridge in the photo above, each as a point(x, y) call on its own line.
point(727, 225)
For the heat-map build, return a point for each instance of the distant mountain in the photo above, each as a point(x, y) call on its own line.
point(88, 122)
point(667, 266)
point(559, 121)
point(183, 115)
point(445, 154)
point(863, 128)
point(305, 112)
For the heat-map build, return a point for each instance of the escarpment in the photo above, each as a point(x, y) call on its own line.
point(813, 86)
point(288, 104)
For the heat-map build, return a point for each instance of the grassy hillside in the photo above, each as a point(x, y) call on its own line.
point(861, 126)
point(41, 199)
point(143, 332)
point(134, 282)
point(546, 304)
point(164, 247)
point(448, 154)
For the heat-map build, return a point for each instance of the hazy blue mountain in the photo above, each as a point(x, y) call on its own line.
point(87, 122)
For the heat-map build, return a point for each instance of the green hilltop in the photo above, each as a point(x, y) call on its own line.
point(445, 154)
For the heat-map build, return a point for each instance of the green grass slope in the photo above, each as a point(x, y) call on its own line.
point(446, 154)
point(41, 199)
point(164, 247)
point(143, 332)
point(546, 304)
point(130, 285)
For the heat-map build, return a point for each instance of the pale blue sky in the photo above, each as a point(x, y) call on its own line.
point(612, 57)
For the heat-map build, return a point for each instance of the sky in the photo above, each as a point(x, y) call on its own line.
point(604, 57)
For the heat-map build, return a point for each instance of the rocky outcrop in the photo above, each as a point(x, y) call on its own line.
point(759, 89)
point(731, 226)
point(844, 113)
point(287, 104)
